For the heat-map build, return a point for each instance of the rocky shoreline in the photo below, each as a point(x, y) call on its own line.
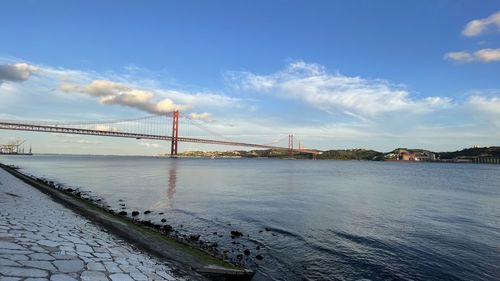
point(230, 266)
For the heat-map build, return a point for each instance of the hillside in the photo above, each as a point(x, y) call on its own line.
point(471, 152)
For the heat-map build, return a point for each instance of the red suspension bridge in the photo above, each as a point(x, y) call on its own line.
point(149, 128)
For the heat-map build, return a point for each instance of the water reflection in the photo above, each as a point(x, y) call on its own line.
point(167, 202)
point(172, 183)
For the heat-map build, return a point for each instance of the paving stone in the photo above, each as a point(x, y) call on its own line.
point(102, 255)
point(95, 266)
point(39, 264)
point(84, 248)
point(41, 257)
point(48, 243)
point(93, 276)
point(22, 271)
point(64, 257)
point(11, 246)
point(15, 257)
point(120, 277)
point(112, 267)
point(138, 276)
point(100, 250)
point(14, 252)
point(48, 240)
point(128, 268)
point(66, 266)
point(61, 277)
point(165, 275)
point(10, 278)
point(8, 262)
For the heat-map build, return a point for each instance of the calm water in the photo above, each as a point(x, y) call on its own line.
point(327, 220)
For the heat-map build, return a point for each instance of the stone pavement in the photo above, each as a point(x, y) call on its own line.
point(43, 240)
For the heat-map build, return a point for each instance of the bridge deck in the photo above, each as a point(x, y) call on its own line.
point(77, 131)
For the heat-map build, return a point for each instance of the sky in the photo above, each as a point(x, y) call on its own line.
point(335, 74)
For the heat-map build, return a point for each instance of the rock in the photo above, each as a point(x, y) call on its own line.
point(147, 212)
point(122, 213)
point(239, 256)
point(194, 237)
point(167, 228)
point(161, 213)
point(236, 233)
point(257, 248)
point(163, 220)
point(260, 231)
point(135, 213)
point(267, 229)
point(259, 257)
point(215, 233)
point(246, 252)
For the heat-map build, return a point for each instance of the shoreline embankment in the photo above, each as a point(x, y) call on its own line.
point(147, 237)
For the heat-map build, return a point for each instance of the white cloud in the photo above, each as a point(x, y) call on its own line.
point(199, 116)
point(488, 55)
point(336, 93)
point(81, 141)
point(490, 105)
point(150, 145)
point(480, 26)
point(18, 72)
point(203, 99)
point(461, 56)
point(483, 55)
point(103, 127)
point(109, 92)
point(485, 108)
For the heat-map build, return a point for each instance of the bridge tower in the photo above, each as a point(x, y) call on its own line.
point(290, 146)
point(175, 133)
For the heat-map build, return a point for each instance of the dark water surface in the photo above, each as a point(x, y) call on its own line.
point(326, 220)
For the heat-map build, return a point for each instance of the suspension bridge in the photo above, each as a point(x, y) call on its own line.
point(162, 128)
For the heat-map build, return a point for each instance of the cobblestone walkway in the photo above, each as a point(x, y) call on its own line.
point(42, 240)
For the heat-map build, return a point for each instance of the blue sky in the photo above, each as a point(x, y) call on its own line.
point(338, 74)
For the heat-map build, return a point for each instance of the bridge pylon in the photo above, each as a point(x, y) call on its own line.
point(175, 133)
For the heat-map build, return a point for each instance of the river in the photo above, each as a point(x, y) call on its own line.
point(309, 220)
